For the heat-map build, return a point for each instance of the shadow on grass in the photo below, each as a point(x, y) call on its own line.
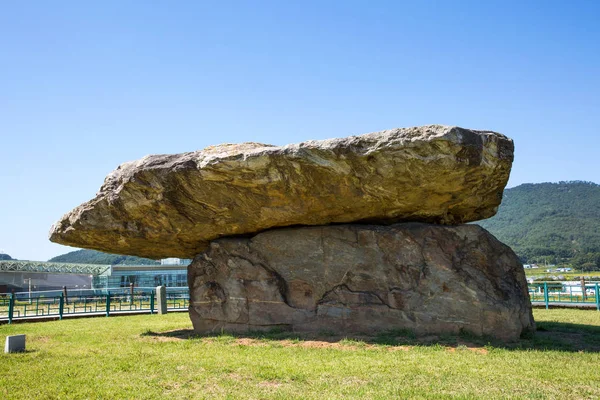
point(27, 351)
point(550, 336)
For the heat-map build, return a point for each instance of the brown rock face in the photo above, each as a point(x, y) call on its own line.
point(362, 278)
point(174, 205)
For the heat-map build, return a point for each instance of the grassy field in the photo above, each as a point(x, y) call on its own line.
point(153, 357)
point(540, 272)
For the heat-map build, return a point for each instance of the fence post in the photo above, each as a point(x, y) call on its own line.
point(61, 306)
point(152, 302)
point(546, 299)
point(11, 307)
point(107, 304)
point(130, 294)
point(65, 294)
point(597, 297)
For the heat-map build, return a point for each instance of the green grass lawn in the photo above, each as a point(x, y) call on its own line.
point(153, 356)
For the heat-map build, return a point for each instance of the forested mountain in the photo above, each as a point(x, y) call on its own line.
point(553, 222)
point(4, 256)
point(98, 257)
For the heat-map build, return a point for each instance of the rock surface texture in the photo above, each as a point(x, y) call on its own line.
point(174, 205)
point(350, 235)
point(362, 278)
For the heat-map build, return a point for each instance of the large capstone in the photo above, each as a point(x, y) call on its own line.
point(174, 205)
point(362, 279)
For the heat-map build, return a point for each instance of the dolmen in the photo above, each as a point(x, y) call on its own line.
point(355, 235)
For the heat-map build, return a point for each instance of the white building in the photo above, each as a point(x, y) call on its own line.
point(174, 261)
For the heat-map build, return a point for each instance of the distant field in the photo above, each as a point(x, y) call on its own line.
point(568, 275)
point(155, 357)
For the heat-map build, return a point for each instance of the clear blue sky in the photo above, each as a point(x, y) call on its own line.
point(85, 86)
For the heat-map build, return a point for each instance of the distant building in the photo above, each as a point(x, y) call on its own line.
point(530, 266)
point(175, 261)
point(172, 272)
point(146, 276)
point(21, 281)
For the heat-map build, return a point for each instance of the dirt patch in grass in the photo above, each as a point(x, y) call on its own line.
point(249, 342)
point(320, 344)
point(551, 335)
point(42, 339)
point(235, 376)
point(324, 344)
point(354, 381)
point(270, 384)
point(310, 341)
point(399, 348)
point(478, 350)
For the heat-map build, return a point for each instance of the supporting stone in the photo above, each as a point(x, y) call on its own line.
point(429, 279)
point(14, 344)
point(161, 299)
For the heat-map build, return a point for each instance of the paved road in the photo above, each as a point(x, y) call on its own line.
point(561, 304)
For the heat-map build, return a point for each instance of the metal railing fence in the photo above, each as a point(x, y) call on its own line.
point(122, 300)
point(565, 293)
point(106, 302)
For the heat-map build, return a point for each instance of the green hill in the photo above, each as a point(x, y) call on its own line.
point(4, 257)
point(551, 222)
point(97, 257)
